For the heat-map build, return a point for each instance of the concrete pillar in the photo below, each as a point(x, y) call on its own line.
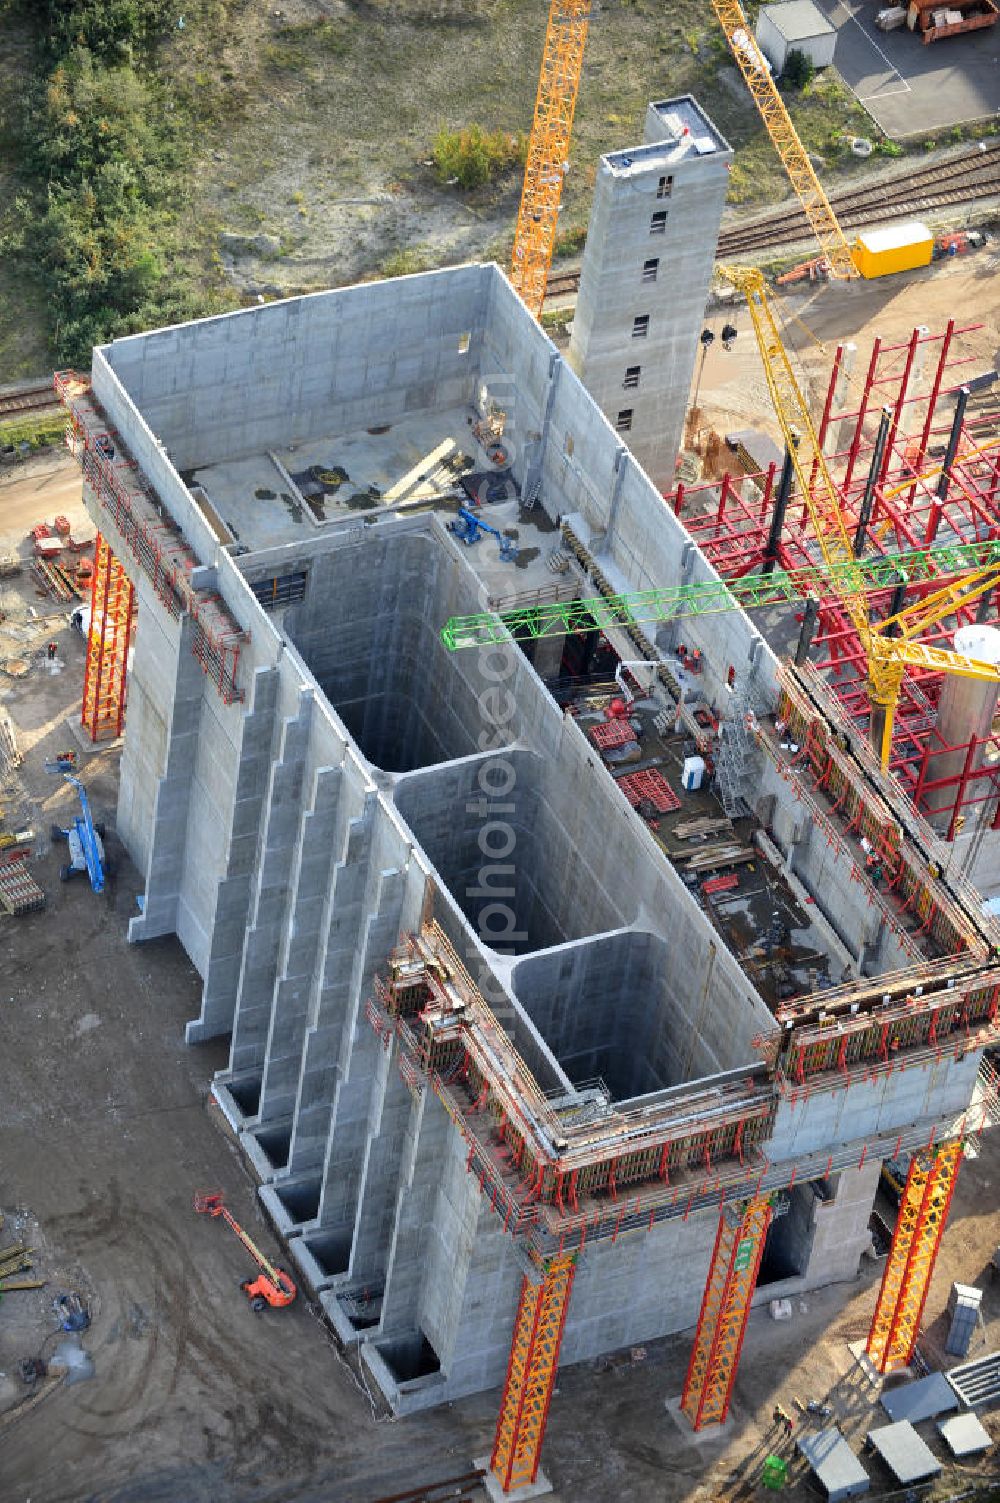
point(646, 272)
point(547, 655)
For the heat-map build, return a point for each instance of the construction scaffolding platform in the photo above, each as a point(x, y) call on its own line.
point(558, 1178)
point(923, 1211)
point(152, 538)
point(725, 1308)
point(112, 622)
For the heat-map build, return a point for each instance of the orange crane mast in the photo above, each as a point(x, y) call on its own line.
point(548, 149)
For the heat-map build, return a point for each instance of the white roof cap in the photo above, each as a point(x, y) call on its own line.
point(893, 236)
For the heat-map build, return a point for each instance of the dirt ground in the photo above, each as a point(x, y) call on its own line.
point(814, 321)
point(106, 1131)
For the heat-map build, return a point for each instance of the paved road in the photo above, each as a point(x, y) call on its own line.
point(909, 88)
point(37, 491)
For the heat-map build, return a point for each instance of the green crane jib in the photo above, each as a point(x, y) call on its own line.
point(711, 596)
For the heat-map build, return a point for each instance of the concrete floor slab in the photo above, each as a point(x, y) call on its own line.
point(908, 1457)
point(708, 1440)
point(964, 1435)
point(408, 467)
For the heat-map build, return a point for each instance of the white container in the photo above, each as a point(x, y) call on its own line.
point(694, 771)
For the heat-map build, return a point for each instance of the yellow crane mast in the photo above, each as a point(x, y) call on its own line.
point(548, 149)
point(889, 645)
point(785, 139)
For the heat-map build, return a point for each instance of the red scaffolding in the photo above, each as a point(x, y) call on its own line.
point(112, 615)
point(917, 464)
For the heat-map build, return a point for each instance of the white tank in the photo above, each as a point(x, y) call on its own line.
point(966, 709)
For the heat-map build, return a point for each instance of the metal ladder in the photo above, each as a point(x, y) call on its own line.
point(734, 750)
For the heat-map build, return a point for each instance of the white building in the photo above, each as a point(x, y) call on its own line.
point(796, 25)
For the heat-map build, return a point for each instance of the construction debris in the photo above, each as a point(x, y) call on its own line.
point(10, 757)
point(697, 829)
point(56, 580)
point(19, 892)
point(731, 854)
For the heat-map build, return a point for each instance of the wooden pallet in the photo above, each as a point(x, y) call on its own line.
point(54, 578)
point(9, 754)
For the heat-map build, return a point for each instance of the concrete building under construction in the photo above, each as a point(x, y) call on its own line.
point(516, 1005)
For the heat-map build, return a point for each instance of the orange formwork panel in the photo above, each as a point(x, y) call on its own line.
point(718, 1341)
point(923, 1211)
point(112, 610)
point(531, 1372)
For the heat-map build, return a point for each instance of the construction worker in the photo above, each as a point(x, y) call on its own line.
point(52, 649)
point(782, 1417)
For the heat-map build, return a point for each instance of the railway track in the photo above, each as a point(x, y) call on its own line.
point(29, 399)
point(974, 175)
point(459, 1489)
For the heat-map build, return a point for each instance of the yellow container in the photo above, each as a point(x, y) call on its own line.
point(898, 247)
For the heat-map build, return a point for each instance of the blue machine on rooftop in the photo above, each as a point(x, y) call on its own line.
point(468, 528)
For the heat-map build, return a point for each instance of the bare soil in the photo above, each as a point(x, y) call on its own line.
point(814, 321)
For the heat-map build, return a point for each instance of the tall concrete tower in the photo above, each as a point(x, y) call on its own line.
point(645, 278)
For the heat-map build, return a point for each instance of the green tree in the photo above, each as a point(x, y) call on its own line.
point(798, 70)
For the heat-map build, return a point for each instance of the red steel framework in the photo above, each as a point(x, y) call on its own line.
point(923, 1212)
point(725, 1309)
point(112, 614)
point(911, 502)
point(531, 1374)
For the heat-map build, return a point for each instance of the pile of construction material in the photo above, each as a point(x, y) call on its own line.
point(54, 571)
point(19, 892)
point(934, 21)
point(16, 1259)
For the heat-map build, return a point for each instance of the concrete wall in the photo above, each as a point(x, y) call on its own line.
point(289, 838)
point(858, 1112)
point(827, 873)
point(307, 367)
point(649, 254)
point(636, 1010)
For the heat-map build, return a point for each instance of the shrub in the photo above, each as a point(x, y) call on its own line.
point(570, 241)
point(111, 29)
point(473, 156)
point(101, 152)
point(798, 69)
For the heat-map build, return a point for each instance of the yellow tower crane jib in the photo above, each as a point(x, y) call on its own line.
point(785, 138)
